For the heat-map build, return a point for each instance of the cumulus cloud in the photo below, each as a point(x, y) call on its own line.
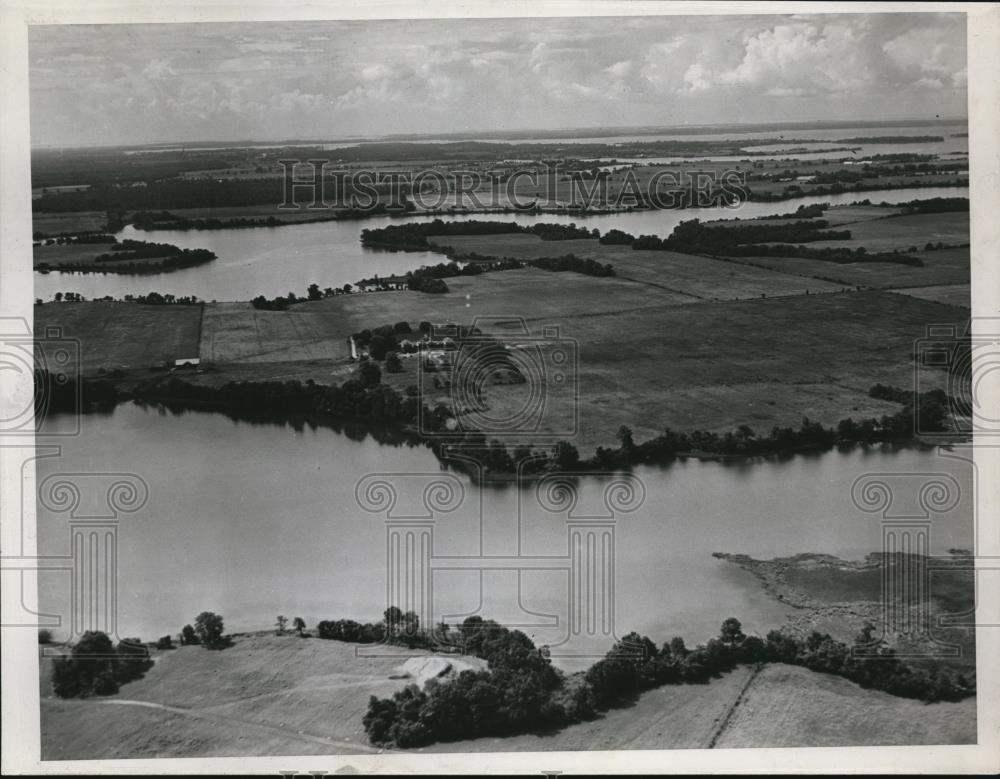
point(435, 75)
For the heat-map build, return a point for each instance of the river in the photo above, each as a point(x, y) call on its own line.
point(252, 521)
point(278, 260)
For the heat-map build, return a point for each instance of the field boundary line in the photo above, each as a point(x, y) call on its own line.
point(724, 723)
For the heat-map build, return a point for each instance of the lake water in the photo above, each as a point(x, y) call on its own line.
point(278, 260)
point(252, 521)
point(825, 136)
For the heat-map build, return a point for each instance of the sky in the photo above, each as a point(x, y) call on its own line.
point(137, 84)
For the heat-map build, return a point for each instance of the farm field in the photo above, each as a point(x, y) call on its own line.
point(647, 358)
point(284, 695)
point(68, 222)
point(699, 277)
point(68, 254)
point(941, 267)
point(952, 294)
point(788, 706)
point(708, 365)
point(902, 232)
point(237, 332)
point(123, 336)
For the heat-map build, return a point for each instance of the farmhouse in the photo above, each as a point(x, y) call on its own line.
point(187, 362)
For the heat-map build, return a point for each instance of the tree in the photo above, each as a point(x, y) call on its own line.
point(313, 292)
point(369, 374)
point(280, 624)
point(380, 345)
point(392, 363)
point(300, 625)
point(188, 636)
point(567, 456)
point(209, 627)
point(133, 660)
point(732, 632)
point(44, 636)
point(88, 670)
point(625, 437)
point(393, 618)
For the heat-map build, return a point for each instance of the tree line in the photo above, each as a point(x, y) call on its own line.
point(522, 692)
point(413, 235)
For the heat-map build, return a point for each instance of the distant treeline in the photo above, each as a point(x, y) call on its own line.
point(72, 240)
point(892, 139)
point(522, 692)
point(165, 220)
point(795, 190)
point(935, 205)
point(413, 236)
point(158, 195)
point(747, 239)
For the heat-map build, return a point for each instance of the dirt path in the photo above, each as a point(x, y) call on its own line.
point(270, 729)
point(727, 717)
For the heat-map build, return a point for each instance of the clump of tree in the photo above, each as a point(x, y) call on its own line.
point(514, 695)
point(209, 628)
point(413, 236)
point(165, 642)
point(96, 667)
point(189, 637)
point(522, 692)
point(570, 262)
point(935, 205)
point(617, 237)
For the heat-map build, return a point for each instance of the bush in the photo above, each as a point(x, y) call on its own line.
point(95, 667)
point(188, 636)
point(44, 636)
point(209, 627)
point(133, 660)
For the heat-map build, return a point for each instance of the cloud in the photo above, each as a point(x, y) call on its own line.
point(360, 77)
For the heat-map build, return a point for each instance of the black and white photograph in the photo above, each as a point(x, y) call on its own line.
point(537, 388)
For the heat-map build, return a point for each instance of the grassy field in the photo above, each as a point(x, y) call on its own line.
point(70, 222)
point(237, 332)
point(270, 695)
point(952, 294)
point(123, 336)
point(708, 365)
point(787, 706)
point(902, 232)
point(68, 254)
point(644, 359)
point(941, 267)
point(701, 278)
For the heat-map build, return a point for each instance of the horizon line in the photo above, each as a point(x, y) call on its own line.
point(610, 131)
